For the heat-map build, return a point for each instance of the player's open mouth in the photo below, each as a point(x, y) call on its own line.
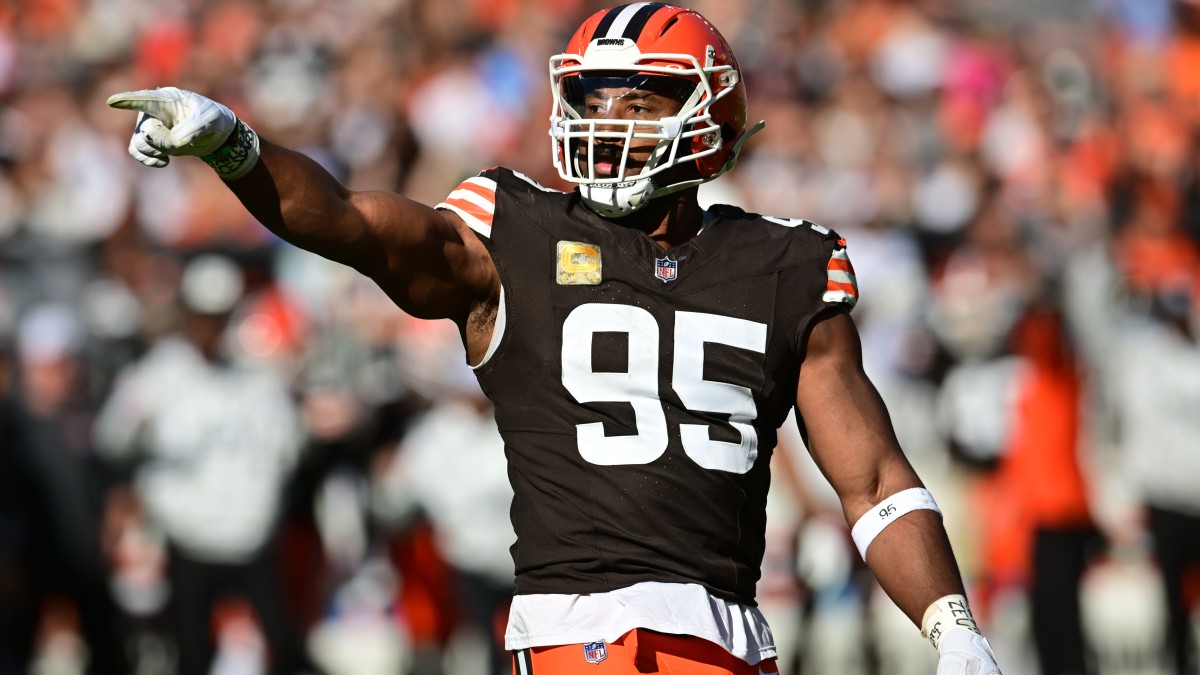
point(608, 166)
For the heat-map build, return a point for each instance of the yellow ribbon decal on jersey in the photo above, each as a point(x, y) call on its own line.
point(578, 264)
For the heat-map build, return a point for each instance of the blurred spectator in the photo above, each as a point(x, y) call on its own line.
point(14, 643)
point(1155, 367)
point(355, 403)
point(458, 438)
point(1040, 474)
point(52, 501)
point(213, 439)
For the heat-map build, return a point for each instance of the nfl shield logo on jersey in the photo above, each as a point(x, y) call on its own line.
point(665, 269)
point(595, 652)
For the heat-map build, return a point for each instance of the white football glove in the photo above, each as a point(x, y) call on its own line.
point(173, 122)
point(964, 652)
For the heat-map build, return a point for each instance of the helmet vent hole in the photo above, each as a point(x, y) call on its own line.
point(668, 26)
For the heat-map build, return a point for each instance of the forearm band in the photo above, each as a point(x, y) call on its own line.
point(943, 615)
point(237, 155)
point(886, 512)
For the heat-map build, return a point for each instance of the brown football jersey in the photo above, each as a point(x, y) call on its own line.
point(639, 390)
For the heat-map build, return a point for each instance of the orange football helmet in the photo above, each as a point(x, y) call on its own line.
point(665, 49)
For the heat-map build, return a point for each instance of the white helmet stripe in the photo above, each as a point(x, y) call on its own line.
point(617, 29)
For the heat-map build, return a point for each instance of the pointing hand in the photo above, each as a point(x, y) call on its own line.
point(173, 122)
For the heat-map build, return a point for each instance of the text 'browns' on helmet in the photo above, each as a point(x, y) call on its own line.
point(660, 49)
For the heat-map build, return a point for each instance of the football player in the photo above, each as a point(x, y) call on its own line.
point(640, 350)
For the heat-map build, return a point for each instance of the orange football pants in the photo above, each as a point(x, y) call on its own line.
point(638, 652)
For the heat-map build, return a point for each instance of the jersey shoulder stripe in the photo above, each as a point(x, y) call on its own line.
point(474, 200)
point(842, 285)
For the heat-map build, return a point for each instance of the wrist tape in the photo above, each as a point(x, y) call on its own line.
point(886, 512)
point(945, 614)
point(237, 155)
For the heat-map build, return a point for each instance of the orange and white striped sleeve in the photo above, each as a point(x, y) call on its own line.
point(841, 286)
point(474, 200)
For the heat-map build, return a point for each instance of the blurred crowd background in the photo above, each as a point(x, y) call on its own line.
point(219, 454)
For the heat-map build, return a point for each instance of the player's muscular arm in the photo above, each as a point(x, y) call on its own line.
point(851, 439)
point(426, 260)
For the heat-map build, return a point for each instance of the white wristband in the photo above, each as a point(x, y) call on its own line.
point(944, 614)
point(886, 512)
